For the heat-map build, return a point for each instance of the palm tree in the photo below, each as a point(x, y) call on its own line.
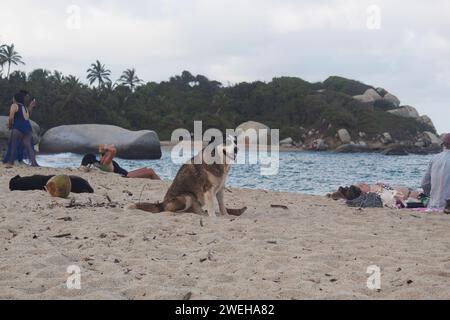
point(9, 56)
point(2, 58)
point(98, 72)
point(130, 79)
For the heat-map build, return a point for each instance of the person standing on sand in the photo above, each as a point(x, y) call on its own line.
point(21, 130)
point(436, 182)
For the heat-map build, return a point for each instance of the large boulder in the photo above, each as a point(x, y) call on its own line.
point(344, 136)
point(86, 138)
point(393, 99)
point(406, 112)
point(250, 128)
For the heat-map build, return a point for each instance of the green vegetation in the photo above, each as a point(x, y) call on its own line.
point(286, 103)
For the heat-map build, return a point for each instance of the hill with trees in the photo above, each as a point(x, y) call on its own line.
point(291, 104)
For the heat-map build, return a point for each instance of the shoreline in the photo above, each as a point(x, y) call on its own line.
point(168, 145)
point(315, 249)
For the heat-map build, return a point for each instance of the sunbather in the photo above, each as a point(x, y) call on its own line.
point(107, 164)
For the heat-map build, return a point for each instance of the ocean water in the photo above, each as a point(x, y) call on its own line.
point(305, 172)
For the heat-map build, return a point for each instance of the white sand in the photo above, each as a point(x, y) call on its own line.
point(316, 249)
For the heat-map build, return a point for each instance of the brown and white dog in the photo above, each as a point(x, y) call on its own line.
point(199, 182)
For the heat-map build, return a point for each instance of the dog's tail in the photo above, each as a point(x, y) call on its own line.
point(147, 207)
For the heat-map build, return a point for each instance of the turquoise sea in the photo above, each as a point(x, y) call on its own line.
point(305, 172)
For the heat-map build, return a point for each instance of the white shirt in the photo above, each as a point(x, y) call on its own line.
point(436, 182)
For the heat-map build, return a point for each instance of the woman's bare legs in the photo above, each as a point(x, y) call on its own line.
point(144, 173)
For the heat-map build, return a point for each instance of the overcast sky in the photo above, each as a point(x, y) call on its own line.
point(405, 50)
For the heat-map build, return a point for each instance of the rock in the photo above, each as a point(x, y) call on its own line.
point(370, 96)
point(382, 92)
point(344, 136)
point(362, 144)
point(362, 134)
point(86, 138)
point(373, 94)
point(427, 120)
point(364, 99)
point(397, 150)
point(288, 142)
point(250, 128)
point(386, 138)
point(319, 145)
point(406, 112)
point(350, 148)
point(432, 138)
point(393, 99)
point(420, 144)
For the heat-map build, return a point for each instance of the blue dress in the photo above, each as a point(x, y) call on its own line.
point(20, 123)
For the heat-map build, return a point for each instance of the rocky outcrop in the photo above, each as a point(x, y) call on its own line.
point(86, 138)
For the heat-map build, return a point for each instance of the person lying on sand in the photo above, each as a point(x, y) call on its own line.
point(393, 197)
point(108, 164)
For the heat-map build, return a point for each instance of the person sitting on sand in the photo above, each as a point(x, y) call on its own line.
point(108, 164)
point(436, 182)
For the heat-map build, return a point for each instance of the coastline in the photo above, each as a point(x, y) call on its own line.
point(314, 249)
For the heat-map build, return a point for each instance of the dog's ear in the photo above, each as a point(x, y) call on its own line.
point(15, 178)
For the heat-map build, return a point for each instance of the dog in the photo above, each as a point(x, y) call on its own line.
point(38, 182)
point(199, 182)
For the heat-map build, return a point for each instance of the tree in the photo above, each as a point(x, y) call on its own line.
point(2, 58)
point(9, 55)
point(99, 73)
point(130, 79)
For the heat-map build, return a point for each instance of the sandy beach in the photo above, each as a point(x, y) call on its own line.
point(314, 249)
